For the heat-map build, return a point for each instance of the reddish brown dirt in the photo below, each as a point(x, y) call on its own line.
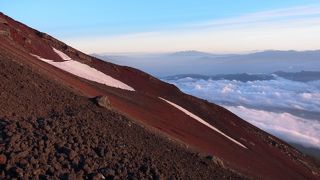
point(47, 131)
point(266, 157)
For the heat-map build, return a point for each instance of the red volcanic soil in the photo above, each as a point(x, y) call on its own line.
point(48, 131)
point(37, 89)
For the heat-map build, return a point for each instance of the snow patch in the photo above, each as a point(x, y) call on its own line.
point(85, 71)
point(202, 121)
point(62, 55)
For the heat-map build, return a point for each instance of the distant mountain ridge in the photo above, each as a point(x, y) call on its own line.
point(193, 53)
point(195, 62)
point(303, 76)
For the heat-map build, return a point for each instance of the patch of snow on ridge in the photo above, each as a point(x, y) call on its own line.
point(62, 55)
point(86, 72)
point(202, 121)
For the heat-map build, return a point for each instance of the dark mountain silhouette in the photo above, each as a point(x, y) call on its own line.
point(195, 62)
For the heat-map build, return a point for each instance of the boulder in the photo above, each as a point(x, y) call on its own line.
point(103, 101)
point(218, 161)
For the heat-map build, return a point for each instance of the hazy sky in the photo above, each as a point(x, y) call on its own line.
point(156, 26)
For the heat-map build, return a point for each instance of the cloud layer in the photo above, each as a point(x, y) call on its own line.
point(266, 104)
point(283, 125)
point(278, 93)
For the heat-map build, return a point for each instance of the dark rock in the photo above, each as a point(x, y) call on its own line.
point(23, 163)
point(209, 157)
point(50, 170)
point(106, 172)
point(100, 151)
point(16, 172)
point(41, 122)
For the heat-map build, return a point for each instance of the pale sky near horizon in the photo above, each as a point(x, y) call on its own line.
point(166, 26)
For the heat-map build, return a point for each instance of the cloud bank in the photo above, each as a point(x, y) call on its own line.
point(283, 125)
point(278, 93)
point(266, 104)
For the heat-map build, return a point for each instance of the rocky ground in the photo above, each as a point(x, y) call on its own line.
point(46, 131)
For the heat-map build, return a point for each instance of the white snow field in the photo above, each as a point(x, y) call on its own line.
point(84, 71)
point(62, 55)
point(202, 121)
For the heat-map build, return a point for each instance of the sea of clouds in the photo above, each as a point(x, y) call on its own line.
point(287, 109)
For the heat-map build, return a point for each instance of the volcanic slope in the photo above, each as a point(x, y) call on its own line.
point(51, 125)
point(46, 130)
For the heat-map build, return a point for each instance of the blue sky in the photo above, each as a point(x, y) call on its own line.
point(141, 25)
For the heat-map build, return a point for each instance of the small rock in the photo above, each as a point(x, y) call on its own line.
point(15, 138)
point(50, 170)
point(41, 142)
point(61, 159)
point(23, 163)
point(23, 146)
point(87, 168)
point(25, 125)
point(98, 176)
point(47, 128)
point(107, 172)
point(71, 176)
point(72, 154)
point(57, 166)
point(32, 160)
point(22, 154)
point(100, 151)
